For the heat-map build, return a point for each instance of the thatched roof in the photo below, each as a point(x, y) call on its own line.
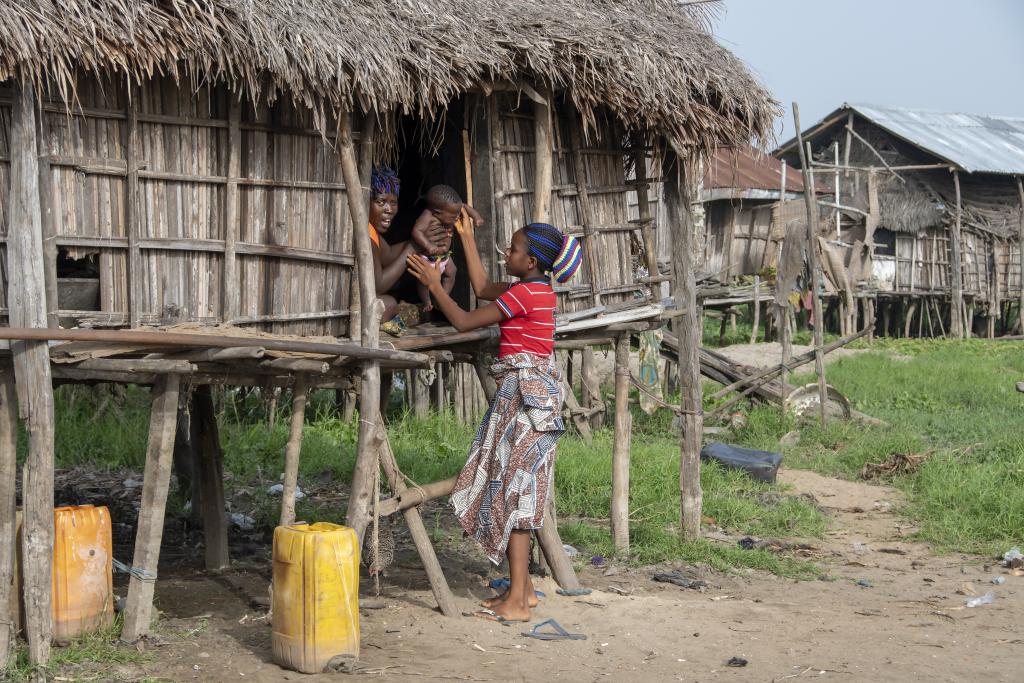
point(651, 62)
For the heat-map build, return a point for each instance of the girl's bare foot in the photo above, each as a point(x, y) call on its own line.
point(490, 603)
point(508, 611)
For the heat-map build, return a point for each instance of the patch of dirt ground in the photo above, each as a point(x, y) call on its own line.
point(905, 621)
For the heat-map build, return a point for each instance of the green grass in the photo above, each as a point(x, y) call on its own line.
point(955, 399)
point(100, 648)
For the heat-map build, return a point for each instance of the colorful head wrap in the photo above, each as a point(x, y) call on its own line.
point(384, 180)
point(556, 253)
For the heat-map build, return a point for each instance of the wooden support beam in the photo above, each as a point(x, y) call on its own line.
point(643, 205)
point(578, 415)
point(591, 393)
point(8, 474)
point(292, 450)
point(409, 497)
point(620, 449)
point(689, 325)
point(586, 210)
point(230, 285)
point(27, 299)
point(132, 210)
point(554, 552)
point(156, 479)
point(756, 303)
point(956, 275)
point(418, 532)
point(542, 170)
point(205, 437)
point(165, 339)
point(813, 265)
point(367, 457)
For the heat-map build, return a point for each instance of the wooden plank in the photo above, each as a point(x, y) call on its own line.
point(689, 326)
point(206, 440)
point(27, 300)
point(230, 283)
point(213, 341)
point(156, 480)
point(620, 448)
point(292, 450)
point(8, 473)
point(132, 217)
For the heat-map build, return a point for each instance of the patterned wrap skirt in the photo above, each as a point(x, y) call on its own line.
point(504, 484)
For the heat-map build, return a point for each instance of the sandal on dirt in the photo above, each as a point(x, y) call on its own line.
point(556, 632)
point(491, 615)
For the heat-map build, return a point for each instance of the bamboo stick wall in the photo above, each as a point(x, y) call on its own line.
point(230, 213)
point(604, 161)
point(198, 207)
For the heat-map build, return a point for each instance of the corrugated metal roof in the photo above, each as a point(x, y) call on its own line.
point(749, 169)
point(973, 142)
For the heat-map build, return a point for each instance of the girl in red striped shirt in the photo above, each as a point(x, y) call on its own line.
point(500, 495)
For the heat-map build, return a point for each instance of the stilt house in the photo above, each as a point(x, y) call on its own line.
point(206, 162)
point(928, 211)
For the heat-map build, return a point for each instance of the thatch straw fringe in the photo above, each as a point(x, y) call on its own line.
point(651, 62)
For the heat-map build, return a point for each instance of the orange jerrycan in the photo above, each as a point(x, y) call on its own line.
point(316, 595)
point(83, 593)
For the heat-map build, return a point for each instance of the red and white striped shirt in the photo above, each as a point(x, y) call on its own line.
point(529, 325)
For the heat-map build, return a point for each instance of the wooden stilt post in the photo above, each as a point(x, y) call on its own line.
point(815, 270)
point(291, 451)
point(757, 310)
point(591, 393)
point(956, 320)
point(156, 479)
point(680, 220)
point(483, 373)
point(367, 461)
point(554, 552)
point(418, 532)
point(206, 443)
point(911, 309)
point(8, 473)
point(27, 299)
point(421, 393)
point(542, 170)
point(786, 339)
point(620, 450)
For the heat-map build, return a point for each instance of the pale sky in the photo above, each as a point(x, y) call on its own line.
point(965, 56)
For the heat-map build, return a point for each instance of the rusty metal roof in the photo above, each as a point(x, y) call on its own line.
point(971, 142)
point(750, 169)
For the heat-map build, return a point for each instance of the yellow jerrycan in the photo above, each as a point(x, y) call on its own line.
point(83, 592)
point(316, 595)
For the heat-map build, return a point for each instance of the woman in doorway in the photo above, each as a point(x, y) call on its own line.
point(499, 497)
point(389, 260)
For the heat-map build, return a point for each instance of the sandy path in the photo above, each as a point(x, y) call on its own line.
point(910, 624)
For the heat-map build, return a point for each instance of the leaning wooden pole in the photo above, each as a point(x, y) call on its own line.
point(956, 273)
point(812, 262)
point(367, 458)
point(8, 473)
point(620, 448)
point(156, 480)
point(680, 220)
point(206, 440)
point(27, 300)
point(292, 449)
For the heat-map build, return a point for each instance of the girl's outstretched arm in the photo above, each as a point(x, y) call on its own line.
point(428, 274)
point(482, 285)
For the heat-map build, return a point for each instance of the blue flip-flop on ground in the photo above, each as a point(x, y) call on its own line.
point(503, 584)
point(556, 632)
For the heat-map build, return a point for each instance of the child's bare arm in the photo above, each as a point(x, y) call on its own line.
point(421, 230)
point(478, 220)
